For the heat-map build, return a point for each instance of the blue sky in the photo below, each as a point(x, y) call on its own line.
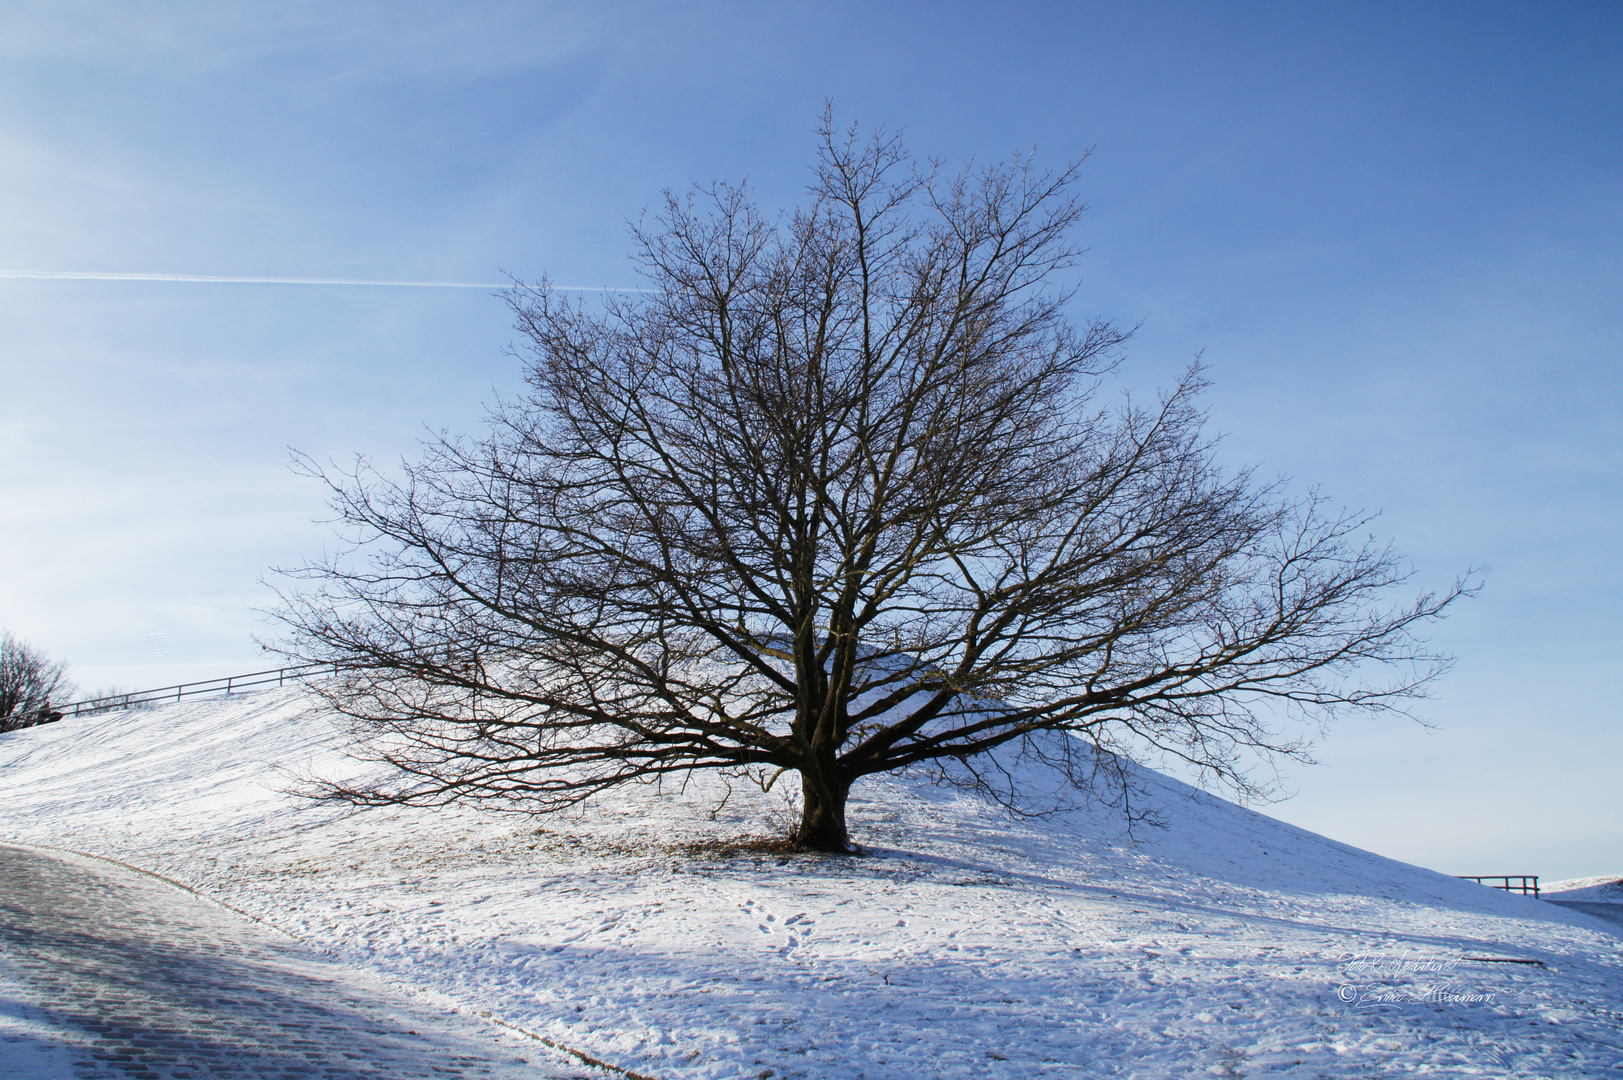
point(1393, 229)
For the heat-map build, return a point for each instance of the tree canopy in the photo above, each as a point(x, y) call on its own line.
point(837, 495)
point(29, 680)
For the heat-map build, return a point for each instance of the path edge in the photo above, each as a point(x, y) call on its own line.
point(483, 1014)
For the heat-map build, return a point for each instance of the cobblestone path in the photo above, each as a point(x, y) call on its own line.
point(107, 973)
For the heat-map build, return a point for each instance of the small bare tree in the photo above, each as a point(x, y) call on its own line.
point(28, 682)
point(836, 497)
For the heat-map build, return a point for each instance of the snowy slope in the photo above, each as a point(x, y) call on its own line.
point(966, 944)
point(1606, 889)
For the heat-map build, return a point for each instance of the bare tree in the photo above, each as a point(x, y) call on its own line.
point(837, 497)
point(28, 682)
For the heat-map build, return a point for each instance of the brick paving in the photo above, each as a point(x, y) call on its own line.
point(123, 975)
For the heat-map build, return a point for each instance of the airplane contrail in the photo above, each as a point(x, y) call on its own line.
point(94, 275)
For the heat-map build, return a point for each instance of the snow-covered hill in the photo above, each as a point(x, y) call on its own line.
point(966, 944)
point(1605, 889)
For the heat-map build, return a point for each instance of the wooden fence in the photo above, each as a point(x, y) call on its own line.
point(1526, 884)
point(273, 677)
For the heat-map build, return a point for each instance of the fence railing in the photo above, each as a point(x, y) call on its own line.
point(1526, 884)
point(180, 691)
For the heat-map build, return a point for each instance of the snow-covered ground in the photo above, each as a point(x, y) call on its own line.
point(1605, 889)
point(965, 944)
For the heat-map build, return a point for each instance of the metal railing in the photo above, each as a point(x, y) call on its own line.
point(180, 691)
point(1522, 882)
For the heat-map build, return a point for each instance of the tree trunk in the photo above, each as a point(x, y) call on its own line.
point(822, 813)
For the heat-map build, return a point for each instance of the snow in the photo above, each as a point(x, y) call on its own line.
point(1605, 889)
point(29, 1048)
point(965, 943)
